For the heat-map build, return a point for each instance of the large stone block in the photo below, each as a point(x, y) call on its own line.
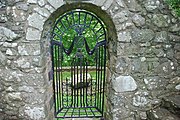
point(9, 34)
point(160, 20)
point(35, 20)
point(138, 20)
point(33, 34)
point(124, 37)
point(2, 58)
point(29, 49)
point(161, 37)
point(141, 99)
point(56, 3)
point(35, 113)
point(124, 84)
point(151, 5)
point(143, 35)
point(133, 5)
point(121, 17)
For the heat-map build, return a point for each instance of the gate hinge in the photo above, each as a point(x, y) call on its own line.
point(50, 75)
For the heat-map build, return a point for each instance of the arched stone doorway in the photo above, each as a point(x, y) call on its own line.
point(110, 37)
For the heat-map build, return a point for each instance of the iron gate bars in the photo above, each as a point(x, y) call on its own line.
point(78, 49)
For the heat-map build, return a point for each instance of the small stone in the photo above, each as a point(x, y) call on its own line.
point(160, 20)
point(177, 56)
point(56, 3)
point(161, 37)
point(138, 20)
point(10, 89)
point(9, 52)
point(151, 5)
point(51, 9)
point(175, 28)
point(22, 63)
point(177, 47)
point(35, 20)
point(8, 33)
point(33, 34)
point(133, 6)
point(140, 99)
point(16, 96)
point(32, 1)
point(124, 37)
point(143, 115)
point(41, 2)
point(36, 113)
point(143, 59)
point(120, 3)
point(177, 87)
point(107, 4)
point(42, 11)
point(124, 84)
point(143, 35)
point(29, 49)
point(2, 58)
point(121, 16)
point(22, 50)
point(26, 89)
point(99, 2)
point(7, 44)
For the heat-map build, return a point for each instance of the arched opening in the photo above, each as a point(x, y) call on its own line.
point(78, 50)
point(111, 38)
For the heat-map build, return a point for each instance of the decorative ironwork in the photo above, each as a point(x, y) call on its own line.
point(78, 49)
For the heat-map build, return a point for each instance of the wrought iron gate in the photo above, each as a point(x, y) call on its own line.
point(78, 49)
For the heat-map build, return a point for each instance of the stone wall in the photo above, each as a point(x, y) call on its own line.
point(143, 56)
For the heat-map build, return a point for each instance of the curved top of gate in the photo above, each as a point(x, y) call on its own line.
point(79, 28)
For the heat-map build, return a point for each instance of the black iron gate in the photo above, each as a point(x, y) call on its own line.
point(78, 48)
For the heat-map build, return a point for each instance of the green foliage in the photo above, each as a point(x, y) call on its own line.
point(175, 4)
point(66, 31)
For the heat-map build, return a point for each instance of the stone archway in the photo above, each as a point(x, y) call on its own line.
point(111, 32)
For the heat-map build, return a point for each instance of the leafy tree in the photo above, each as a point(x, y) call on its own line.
point(175, 4)
point(66, 31)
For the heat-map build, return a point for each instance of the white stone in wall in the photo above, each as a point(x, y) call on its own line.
point(100, 2)
point(107, 4)
point(41, 2)
point(177, 87)
point(2, 58)
point(7, 44)
point(22, 63)
point(36, 113)
point(28, 89)
point(138, 20)
point(49, 8)
point(124, 37)
point(32, 1)
point(42, 11)
point(56, 3)
point(8, 33)
point(9, 52)
point(120, 3)
point(22, 50)
point(121, 16)
point(35, 20)
point(33, 34)
point(140, 101)
point(124, 84)
point(14, 96)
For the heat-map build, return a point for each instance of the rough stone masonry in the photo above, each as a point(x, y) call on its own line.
point(143, 56)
